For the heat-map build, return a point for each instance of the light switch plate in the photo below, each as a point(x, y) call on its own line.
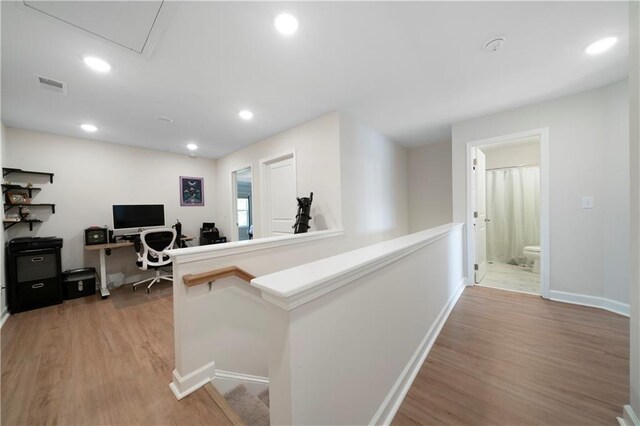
point(587, 202)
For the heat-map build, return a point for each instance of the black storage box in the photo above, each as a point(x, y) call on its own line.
point(79, 283)
point(207, 241)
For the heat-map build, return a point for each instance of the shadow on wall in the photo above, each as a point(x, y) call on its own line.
point(320, 223)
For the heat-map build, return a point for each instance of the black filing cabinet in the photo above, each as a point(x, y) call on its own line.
point(34, 273)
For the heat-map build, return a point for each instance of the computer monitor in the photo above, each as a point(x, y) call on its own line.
point(131, 218)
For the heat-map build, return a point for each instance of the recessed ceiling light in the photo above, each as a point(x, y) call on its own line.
point(97, 64)
point(245, 114)
point(192, 146)
point(286, 23)
point(601, 45)
point(89, 128)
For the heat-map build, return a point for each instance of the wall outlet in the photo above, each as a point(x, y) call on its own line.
point(587, 202)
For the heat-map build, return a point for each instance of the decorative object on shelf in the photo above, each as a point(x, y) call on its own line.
point(302, 218)
point(29, 185)
point(17, 197)
point(12, 218)
point(191, 191)
point(24, 212)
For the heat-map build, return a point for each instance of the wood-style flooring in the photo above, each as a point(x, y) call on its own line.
point(506, 358)
point(96, 362)
point(502, 358)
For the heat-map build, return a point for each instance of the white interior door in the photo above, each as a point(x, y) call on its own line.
point(480, 215)
point(280, 195)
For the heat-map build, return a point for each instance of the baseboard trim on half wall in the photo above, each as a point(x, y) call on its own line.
point(4, 317)
point(389, 407)
point(183, 386)
point(592, 301)
point(628, 418)
point(225, 381)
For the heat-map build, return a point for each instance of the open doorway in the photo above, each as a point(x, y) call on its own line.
point(509, 189)
point(509, 212)
point(242, 204)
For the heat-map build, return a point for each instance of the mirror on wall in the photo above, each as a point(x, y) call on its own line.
point(243, 211)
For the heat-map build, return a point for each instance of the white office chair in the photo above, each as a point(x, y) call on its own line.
point(154, 242)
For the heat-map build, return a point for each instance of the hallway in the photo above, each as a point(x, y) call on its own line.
point(506, 358)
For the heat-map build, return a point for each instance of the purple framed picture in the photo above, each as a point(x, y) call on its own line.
point(191, 191)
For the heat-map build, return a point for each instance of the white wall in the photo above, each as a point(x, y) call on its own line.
point(3, 281)
point(317, 156)
point(374, 184)
point(92, 176)
point(512, 156)
point(357, 175)
point(202, 340)
point(429, 176)
point(634, 86)
point(344, 344)
point(588, 150)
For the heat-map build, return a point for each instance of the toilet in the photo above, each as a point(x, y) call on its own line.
point(532, 253)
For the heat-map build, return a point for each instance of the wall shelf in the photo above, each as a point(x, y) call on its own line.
point(9, 170)
point(9, 223)
point(7, 187)
point(8, 207)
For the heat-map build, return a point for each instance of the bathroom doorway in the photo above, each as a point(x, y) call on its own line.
point(509, 201)
point(512, 219)
point(242, 204)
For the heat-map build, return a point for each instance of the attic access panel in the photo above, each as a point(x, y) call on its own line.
point(126, 23)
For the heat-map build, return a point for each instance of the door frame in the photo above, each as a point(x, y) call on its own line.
point(265, 229)
point(234, 197)
point(478, 221)
point(543, 137)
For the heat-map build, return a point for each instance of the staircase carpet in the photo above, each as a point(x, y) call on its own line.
point(249, 407)
point(264, 397)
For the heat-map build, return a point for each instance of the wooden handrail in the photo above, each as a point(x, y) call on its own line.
point(191, 280)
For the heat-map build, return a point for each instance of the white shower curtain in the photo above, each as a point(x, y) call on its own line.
point(513, 210)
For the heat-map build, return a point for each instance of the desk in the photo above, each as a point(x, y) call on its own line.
point(105, 250)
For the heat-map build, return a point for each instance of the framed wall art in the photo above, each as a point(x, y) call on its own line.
point(191, 191)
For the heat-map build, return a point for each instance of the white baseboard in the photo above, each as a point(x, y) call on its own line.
point(4, 317)
point(628, 418)
point(224, 381)
point(389, 407)
point(592, 301)
point(183, 386)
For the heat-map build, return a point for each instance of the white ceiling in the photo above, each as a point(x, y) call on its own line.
point(129, 23)
point(407, 69)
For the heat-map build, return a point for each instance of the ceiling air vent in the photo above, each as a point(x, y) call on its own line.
point(51, 84)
